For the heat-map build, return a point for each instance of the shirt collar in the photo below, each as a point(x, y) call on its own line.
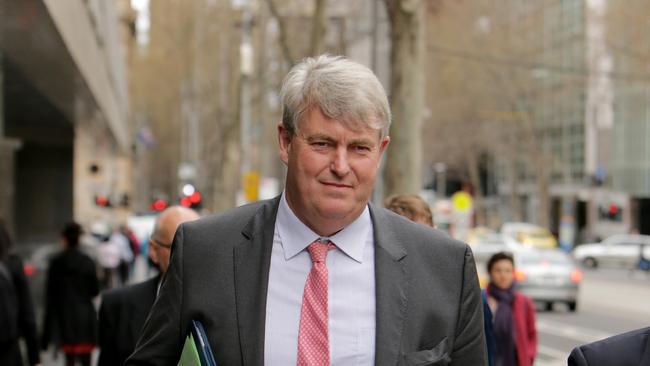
point(295, 236)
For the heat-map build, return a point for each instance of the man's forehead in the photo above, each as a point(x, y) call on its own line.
point(329, 129)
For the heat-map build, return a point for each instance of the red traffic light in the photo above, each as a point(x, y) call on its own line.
point(186, 202)
point(102, 201)
point(195, 198)
point(159, 205)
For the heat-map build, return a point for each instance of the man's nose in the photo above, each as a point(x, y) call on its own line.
point(340, 164)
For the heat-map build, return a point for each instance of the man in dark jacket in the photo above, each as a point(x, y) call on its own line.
point(124, 310)
point(627, 349)
point(70, 318)
point(17, 317)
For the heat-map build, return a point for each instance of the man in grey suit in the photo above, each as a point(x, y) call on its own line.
point(318, 276)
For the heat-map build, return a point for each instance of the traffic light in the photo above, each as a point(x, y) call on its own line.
point(611, 212)
point(159, 205)
point(192, 198)
point(102, 201)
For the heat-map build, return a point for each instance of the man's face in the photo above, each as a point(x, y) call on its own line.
point(331, 170)
point(159, 252)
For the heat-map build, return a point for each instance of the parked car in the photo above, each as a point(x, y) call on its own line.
point(529, 235)
point(623, 251)
point(479, 233)
point(548, 277)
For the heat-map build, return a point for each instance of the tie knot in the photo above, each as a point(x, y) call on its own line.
point(318, 250)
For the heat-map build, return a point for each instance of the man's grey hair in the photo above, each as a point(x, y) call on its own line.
point(343, 90)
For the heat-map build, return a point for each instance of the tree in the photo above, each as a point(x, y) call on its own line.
point(404, 160)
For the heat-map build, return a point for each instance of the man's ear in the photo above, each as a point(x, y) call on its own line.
point(152, 252)
point(284, 141)
point(384, 144)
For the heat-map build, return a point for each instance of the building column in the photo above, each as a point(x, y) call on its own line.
point(7, 162)
point(8, 148)
point(100, 170)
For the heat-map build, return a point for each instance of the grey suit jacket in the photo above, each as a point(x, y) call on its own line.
point(428, 300)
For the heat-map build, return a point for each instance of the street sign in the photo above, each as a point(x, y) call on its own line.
point(461, 201)
point(251, 186)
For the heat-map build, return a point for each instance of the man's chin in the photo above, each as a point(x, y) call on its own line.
point(334, 212)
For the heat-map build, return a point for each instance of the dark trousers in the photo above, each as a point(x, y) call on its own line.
point(10, 354)
point(71, 358)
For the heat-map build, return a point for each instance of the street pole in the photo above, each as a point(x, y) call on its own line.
point(378, 192)
point(441, 180)
point(246, 70)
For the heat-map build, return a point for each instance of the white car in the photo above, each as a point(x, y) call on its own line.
point(615, 251)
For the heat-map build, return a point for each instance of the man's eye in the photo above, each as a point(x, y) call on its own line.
point(320, 144)
point(361, 148)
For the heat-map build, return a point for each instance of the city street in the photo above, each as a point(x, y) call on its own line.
point(611, 302)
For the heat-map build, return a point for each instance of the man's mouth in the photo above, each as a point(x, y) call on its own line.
point(337, 185)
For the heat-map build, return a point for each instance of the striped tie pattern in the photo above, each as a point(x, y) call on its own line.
point(313, 336)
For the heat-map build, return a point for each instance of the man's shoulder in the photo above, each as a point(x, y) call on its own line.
point(235, 218)
point(130, 293)
point(416, 234)
point(622, 341)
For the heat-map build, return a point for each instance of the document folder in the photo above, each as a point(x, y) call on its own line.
point(196, 350)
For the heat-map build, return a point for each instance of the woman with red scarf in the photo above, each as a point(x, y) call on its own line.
point(514, 315)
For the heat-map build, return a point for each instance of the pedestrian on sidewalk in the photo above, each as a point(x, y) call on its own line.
point(124, 310)
point(70, 316)
point(514, 327)
point(16, 308)
point(412, 207)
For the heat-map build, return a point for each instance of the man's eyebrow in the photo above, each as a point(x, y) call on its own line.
point(318, 136)
point(323, 137)
point(362, 141)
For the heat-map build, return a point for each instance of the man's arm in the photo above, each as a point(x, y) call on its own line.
point(577, 358)
point(469, 346)
point(161, 339)
point(107, 334)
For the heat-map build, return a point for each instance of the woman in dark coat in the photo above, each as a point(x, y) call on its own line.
point(71, 320)
point(17, 309)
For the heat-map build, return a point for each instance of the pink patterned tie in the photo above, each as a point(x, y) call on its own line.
point(313, 337)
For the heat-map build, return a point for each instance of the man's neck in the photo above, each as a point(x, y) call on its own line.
point(323, 226)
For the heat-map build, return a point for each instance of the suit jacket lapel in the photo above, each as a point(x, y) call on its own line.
point(391, 284)
point(252, 260)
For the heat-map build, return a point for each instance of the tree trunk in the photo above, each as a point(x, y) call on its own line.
point(227, 181)
point(404, 160)
point(319, 28)
point(283, 34)
point(475, 180)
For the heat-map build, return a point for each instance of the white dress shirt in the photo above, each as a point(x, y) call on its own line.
point(351, 295)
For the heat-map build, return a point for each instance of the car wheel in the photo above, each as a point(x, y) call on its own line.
point(572, 306)
point(548, 306)
point(590, 262)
